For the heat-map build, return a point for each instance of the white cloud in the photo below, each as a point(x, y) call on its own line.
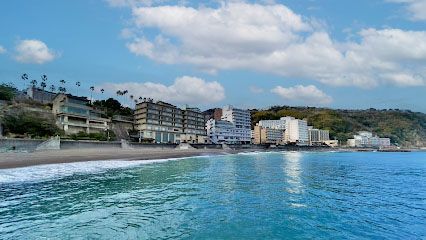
point(416, 8)
point(307, 94)
point(184, 90)
point(34, 51)
point(2, 49)
point(274, 39)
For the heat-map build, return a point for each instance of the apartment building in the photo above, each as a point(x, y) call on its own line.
point(159, 122)
point(241, 119)
point(194, 126)
point(221, 131)
point(74, 115)
point(318, 136)
point(264, 135)
point(273, 124)
point(296, 131)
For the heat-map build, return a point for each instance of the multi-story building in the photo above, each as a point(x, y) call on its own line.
point(367, 139)
point(73, 115)
point(159, 122)
point(318, 136)
point(273, 124)
point(264, 135)
point(296, 131)
point(221, 131)
point(241, 120)
point(194, 126)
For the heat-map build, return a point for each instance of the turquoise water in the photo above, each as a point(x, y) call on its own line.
point(290, 195)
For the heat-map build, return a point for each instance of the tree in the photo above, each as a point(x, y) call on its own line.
point(25, 78)
point(52, 88)
point(34, 82)
point(78, 84)
point(43, 86)
point(29, 123)
point(7, 91)
point(92, 88)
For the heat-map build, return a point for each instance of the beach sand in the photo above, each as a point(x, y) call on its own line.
point(14, 160)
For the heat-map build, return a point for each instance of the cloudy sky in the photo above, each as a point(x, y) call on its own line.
point(332, 53)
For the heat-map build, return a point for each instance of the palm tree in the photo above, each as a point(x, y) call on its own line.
point(43, 85)
point(62, 89)
point(25, 78)
point(78, 84)
point(102, 90)
point(34, 82)
point(52, 88)
point(92, 88)
point(44, 77)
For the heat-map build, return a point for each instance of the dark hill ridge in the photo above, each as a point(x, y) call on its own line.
point(404, 127)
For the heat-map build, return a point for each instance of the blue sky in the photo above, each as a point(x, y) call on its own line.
point(332, 53)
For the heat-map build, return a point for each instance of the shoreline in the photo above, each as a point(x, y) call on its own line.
point(22, 159)
point(10, 160)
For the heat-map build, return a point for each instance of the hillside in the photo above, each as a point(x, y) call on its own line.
point(404, 127)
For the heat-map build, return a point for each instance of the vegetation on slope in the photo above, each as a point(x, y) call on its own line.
point(404, 127)
point(26, 123)
point(7, 91)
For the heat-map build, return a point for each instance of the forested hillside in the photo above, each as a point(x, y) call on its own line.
point(404, 127)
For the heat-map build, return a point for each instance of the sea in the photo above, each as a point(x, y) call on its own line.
point(279, 195)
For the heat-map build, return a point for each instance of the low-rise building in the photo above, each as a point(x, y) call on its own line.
point(367, 139)
point(332, 143)
point(73, 115)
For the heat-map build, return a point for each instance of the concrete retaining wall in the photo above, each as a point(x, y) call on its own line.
point(16, 144)
point(72, 144)
point(207, 146)
point(153, 145)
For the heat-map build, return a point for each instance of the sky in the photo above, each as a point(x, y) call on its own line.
point(251, 54)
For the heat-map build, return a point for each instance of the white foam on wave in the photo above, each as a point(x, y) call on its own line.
point(40, 173)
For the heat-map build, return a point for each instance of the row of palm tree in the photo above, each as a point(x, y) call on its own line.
point(62, 89)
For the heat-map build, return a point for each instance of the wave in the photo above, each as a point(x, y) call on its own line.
point(40, 173)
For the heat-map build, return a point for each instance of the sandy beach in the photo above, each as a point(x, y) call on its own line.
point(15, 160)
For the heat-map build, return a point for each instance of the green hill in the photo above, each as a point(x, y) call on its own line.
point(404, 127)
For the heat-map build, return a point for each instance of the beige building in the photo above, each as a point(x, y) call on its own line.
point(194, 126)
point(159, 122)
point(162, 122)
point(73, 115)
point(264, 135)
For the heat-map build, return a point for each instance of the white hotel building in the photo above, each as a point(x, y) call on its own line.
point(241, 120)
point(233, 128)
point(296, 130)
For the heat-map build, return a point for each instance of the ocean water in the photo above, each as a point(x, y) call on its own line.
point(291, 195)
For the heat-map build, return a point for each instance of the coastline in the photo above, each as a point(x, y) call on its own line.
point(25, 159)
point(17, 160)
